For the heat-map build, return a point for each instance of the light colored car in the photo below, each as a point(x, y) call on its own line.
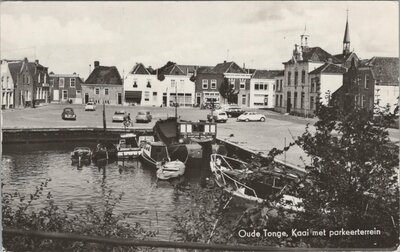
point(251, 116)
point(143, 116)
point(118, 116)
point(90, 106)
point(219, 116)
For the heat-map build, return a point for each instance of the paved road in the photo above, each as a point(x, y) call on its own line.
point(256, 136)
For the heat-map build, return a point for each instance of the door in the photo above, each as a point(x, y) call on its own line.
point(119, 98)
point(164, 100)
point(86, 98)
point(56, 95)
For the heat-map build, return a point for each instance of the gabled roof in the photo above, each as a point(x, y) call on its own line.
point(228, 67)
point(171, 68)
point(104, 75)
point(15, 68)
point(204, 69)
point(329, 68)
point(343, 57)
point(265, 74)
point(139, 68)
point(384, 69)
point(316, 54)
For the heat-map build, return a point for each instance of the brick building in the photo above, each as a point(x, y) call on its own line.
point(66, 88)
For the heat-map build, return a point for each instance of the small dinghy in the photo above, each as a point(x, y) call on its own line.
point(172, 169)
point(81, 155)
point(105, 151)
point(155, 154)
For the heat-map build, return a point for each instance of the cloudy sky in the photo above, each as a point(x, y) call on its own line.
point(67, 37)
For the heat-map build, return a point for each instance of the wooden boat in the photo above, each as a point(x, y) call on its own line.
point(128, 146)
point(227, 172)
point(155, 154)
point(105, 151)
point(81, 155)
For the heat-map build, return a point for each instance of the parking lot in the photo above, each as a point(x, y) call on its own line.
point(276, 131)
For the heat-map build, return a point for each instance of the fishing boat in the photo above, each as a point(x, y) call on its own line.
point(155, 154)
point(105, 151)
point(128, 147)
point(81, 155)
point(227, 172)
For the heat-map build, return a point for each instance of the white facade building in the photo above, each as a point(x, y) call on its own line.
point(7, 86)
point(262, 89)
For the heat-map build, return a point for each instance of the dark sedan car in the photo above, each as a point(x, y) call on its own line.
point(234, 111)
point(68, 114)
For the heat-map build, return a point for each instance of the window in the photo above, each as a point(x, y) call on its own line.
point(146, 96)
point(363, 101)
point(72, 82)
point(256, 86)
point(302, 100)
point(277, 83)
point(266, 87)
point(52, 82)
point(38, 78)
point(173, 83)
point(276, 100)
point(261, 86)
point(242, 83)
point(312, 85)
point(281, 83)
point(182, 82)
point(311, 102)
point(296, 76)
point(366, 81)
point(134, 83)
point(213, 84)
point(205, 84)
point(154, 93)
point(45, 78)
point(61, 83)
point(148, 83)
point(289, 78)
point(280, 100)
point(78, 92)
point(97, 90)
point(273, 87)
point(232, 82)
point(65, 94)
point(106, 91)
point(303, 76)
point(244, 99)
point(295, 100)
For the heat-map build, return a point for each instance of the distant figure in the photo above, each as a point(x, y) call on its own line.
point(129, 117)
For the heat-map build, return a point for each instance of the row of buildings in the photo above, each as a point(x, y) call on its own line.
point(311, 75)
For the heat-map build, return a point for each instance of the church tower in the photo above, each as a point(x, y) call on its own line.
point(346, 39)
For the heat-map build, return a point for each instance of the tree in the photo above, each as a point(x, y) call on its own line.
point(228, 92)
point(351, 183)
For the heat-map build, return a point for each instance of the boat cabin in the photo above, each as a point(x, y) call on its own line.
point(157, 151)
point(197, 129)
point(128, 141)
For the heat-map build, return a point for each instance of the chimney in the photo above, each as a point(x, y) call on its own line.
point(96, 64)
point(37, 62)
point(224, 61)
point(244, 66)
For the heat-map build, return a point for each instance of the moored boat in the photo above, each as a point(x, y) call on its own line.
point(105, 151)
point(155, 154)
point(227, 172)
point(81, 155)
point(128, 146)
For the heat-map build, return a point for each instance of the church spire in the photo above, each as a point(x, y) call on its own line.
point(346, 39)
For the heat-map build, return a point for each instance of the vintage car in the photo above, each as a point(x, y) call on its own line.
point(251, 116)
point(218, 116)
point(68, 114)
point(119, 116)
point(90, 106)
point(143, 116)
point(234, 111)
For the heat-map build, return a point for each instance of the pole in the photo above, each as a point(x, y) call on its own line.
point(176, 100)
point(104, 116)
point(285, 150)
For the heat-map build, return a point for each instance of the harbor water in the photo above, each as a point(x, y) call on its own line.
point(25, 166)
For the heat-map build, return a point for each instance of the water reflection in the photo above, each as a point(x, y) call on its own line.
point(25, 168)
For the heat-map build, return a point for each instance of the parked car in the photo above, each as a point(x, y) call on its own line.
point(119, 116)
point(251, 116)
point(219, 116)
point(68, 114)
point(234, 111)
point(143, 116)
point(90, 106)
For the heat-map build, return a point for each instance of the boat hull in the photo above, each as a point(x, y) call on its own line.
point(128, 154)
point(171, 170)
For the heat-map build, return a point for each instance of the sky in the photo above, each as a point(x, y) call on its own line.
point(68, 36)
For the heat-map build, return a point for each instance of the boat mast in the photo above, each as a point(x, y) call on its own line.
point(104, 117)
point(176, 100)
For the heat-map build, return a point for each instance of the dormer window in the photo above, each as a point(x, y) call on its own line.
point(148, 84)
point(135, 84)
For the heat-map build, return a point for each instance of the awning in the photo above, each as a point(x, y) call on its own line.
point(133, 94)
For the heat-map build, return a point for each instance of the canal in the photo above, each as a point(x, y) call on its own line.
point(25, 166)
